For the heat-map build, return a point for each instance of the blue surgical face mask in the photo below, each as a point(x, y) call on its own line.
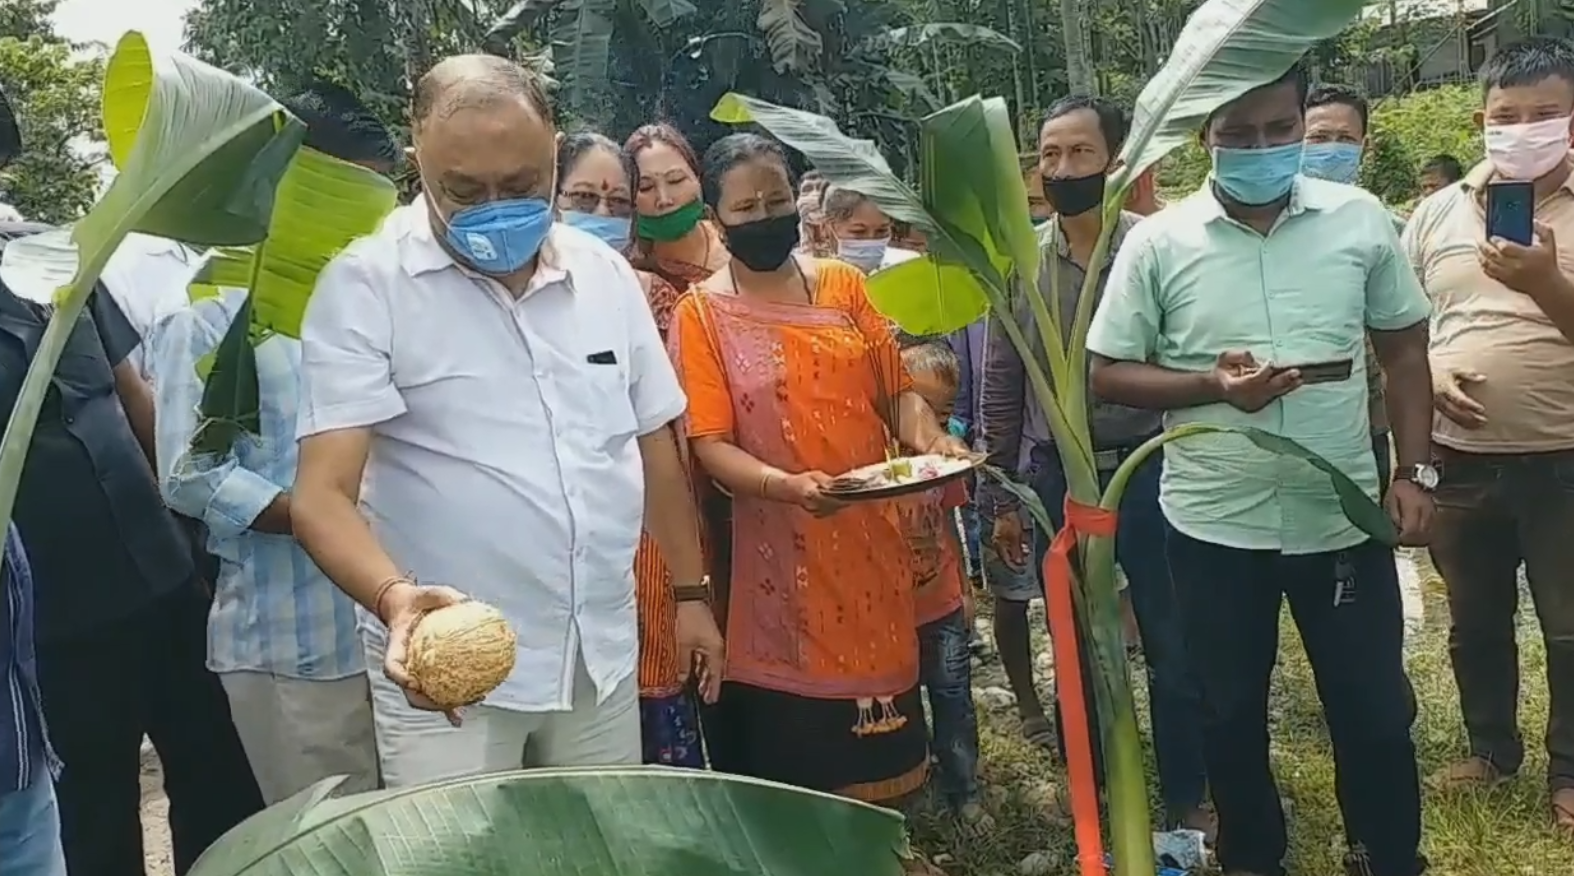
point(614, 231)
point(1335, 162)
point(1257, 176)
point(865, 255)
point(500, 237)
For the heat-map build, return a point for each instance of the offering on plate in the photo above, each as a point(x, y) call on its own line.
point(900, 475)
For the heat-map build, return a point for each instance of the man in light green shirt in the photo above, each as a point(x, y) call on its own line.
point(1210, 307)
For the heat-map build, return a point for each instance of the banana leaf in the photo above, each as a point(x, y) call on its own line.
point(1359, 508)
point(965, 36)
point(638, 821)
point(230, 388)
point(200, 153)
point(227, 267)
point(323, 204)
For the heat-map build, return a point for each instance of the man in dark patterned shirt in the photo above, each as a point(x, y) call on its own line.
point(29, 819)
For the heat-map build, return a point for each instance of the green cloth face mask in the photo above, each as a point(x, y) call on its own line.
point(671, 226)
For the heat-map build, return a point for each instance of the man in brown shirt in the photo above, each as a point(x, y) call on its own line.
point(1503, 364)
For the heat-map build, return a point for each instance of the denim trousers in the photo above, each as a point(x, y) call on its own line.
point(1174, 697)
point(1346, 605)
point(945, 669)
point(30, 829)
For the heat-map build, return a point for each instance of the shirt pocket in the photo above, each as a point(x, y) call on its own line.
point(602, 400)
point(1319, 318)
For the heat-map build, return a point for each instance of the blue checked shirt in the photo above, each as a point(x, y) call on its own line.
point(273, 611)
point(23, 743)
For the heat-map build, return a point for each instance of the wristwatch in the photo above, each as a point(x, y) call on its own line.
point(1423, 475)
point(699, 592)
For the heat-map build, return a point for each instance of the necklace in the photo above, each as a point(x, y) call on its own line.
point(803, 280)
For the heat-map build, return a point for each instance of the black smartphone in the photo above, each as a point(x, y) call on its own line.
point(1511, 211)
point(1321, 372)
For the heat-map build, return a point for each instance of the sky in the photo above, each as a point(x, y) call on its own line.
point(105, 20)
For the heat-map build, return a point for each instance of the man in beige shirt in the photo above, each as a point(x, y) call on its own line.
point(1503, 366)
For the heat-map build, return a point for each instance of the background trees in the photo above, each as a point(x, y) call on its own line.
point(55, 95)
point(875, 66)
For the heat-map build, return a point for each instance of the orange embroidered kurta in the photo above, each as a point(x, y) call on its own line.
point(819, 607)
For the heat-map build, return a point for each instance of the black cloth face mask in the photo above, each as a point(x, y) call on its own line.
point(1075, 195)
point(764, 244)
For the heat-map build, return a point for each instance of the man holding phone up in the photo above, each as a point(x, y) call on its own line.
point(1247, 305)
point(1503, 362)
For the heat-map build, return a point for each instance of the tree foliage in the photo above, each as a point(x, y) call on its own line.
point(875, 66)
point(56, 100)
point(1416, 127)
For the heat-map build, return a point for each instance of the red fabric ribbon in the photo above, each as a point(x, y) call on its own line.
point(1075, 730)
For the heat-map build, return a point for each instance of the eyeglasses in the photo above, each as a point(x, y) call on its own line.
point(588, 202)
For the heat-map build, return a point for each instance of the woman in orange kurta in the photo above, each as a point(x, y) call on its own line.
point(793, 378)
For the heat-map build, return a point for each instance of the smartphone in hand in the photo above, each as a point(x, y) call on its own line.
point(1331, 371)
point(1511, 211)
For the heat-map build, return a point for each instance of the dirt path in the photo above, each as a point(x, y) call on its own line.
point(155, 817)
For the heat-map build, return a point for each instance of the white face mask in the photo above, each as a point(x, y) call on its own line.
point(865, 255)
point(1528, 151)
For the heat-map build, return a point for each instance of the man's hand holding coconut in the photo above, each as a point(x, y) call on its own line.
point(444, 650)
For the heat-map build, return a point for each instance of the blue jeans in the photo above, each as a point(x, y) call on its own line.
point(1173, 691)
point(945, 669)
point(30, 829)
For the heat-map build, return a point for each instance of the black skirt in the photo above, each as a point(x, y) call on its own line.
point(872, 750)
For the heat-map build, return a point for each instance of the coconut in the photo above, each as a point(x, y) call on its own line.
point(460, 653)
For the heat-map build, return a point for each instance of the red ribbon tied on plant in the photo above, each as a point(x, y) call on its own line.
point(1075, 729)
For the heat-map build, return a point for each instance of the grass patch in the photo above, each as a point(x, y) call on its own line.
point(1501, 832)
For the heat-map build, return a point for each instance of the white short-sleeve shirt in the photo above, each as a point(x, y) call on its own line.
point(504, 459)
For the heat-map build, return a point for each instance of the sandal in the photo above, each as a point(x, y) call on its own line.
point(1563, 811)
point(1038, 731)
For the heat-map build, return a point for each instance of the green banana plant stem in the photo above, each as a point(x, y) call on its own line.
point(1064, 401)
point(1077, 354)
point(1131, 841)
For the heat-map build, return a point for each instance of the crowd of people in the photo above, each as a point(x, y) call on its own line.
point(606, 390)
